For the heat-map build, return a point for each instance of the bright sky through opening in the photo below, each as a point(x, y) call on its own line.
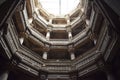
point(59, 7)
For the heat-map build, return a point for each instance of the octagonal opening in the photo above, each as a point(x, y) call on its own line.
point(59, 7)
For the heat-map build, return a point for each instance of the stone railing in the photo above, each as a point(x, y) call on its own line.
point(87, 60)
point(42, 38)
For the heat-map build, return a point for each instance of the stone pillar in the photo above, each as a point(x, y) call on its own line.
point(105, 68)
point(69, 35)
point(4, 75)
point(72, 56)
point(68, 19)
point(30, 20)
point(93, 37)
point(71, 51)
point(109, 75)
point(108, 71)
point(6, 68)
point(87, 21)
point(69, 32)
point(48, 35)
point(45, 55)
point(50, 21)
point(95, 41)
point(82, 9)
point(21, 40)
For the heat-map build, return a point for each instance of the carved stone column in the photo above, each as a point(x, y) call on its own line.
point(50, 21)
point(6, 68)
point(71, 51)
point(68, 19)
point(69, 32)
point(69, 35)
point(87, 21)
point(72, 56)
point(93, 37)
point(21, 40)
point(110, 75)
point(30, 20)
point(4, 75)
point(48, 35)
point(108, 71)
point(46, 49)
point(104, 67)
point(45, 55)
